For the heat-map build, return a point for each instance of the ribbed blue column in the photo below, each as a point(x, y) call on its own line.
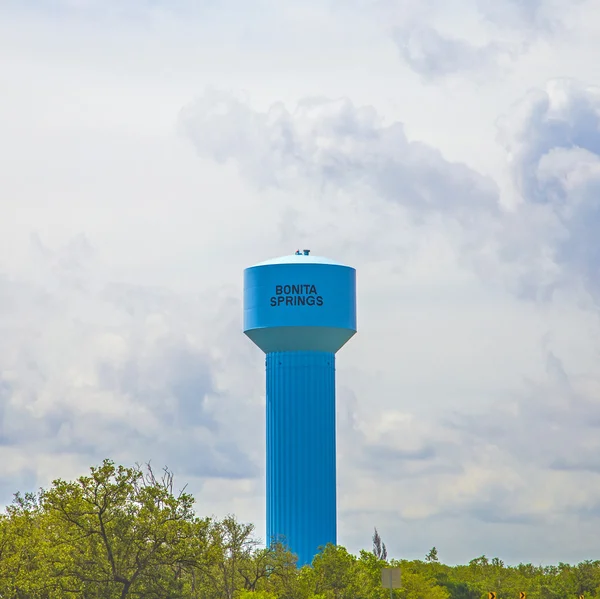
point(301, 461)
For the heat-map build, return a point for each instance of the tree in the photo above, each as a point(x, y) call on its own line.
point(122, 533)
point(334, 573)
point(279, 572)
point(419, 586)
point(379, 548)
point(25, 559)
point(233, 547)
point(256, 595)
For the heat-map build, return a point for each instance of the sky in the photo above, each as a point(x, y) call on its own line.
point(449, 150)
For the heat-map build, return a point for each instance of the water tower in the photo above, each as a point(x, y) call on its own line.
point(300, 310)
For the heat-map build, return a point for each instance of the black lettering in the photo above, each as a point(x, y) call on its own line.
point(299, 294)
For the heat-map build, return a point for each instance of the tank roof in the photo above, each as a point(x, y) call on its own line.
point(299, 259)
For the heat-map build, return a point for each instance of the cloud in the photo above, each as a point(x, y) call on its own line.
point(467, 416)
point(564, 115)
point(479, 39)
point(95, 369)
point(524, 12)
point(487, 463)
point(331, 144)
point(535, 16)
point(533, 425)
point(434, 55)
point(526, 464)
point(99, 9)
point(550, 432)
point(552, 138)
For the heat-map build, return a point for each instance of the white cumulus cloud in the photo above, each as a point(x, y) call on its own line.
point(467, 402)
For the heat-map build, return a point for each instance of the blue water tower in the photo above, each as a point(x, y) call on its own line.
point(300, 310)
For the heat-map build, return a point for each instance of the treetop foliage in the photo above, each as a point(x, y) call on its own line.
point(125, 533)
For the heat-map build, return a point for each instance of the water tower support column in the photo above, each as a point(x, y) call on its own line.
point(301, 457)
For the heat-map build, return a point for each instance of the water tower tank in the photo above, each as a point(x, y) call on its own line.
point(300, 310)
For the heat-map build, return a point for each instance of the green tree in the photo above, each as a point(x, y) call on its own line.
point(122, 533)
point(281, 573)
point(232, 563)
point(24, 553)
point(334, 573)
point(419, 586)
point(369, 576)
point(245, 594)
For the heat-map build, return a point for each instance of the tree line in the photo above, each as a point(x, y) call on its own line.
point(125, 533)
